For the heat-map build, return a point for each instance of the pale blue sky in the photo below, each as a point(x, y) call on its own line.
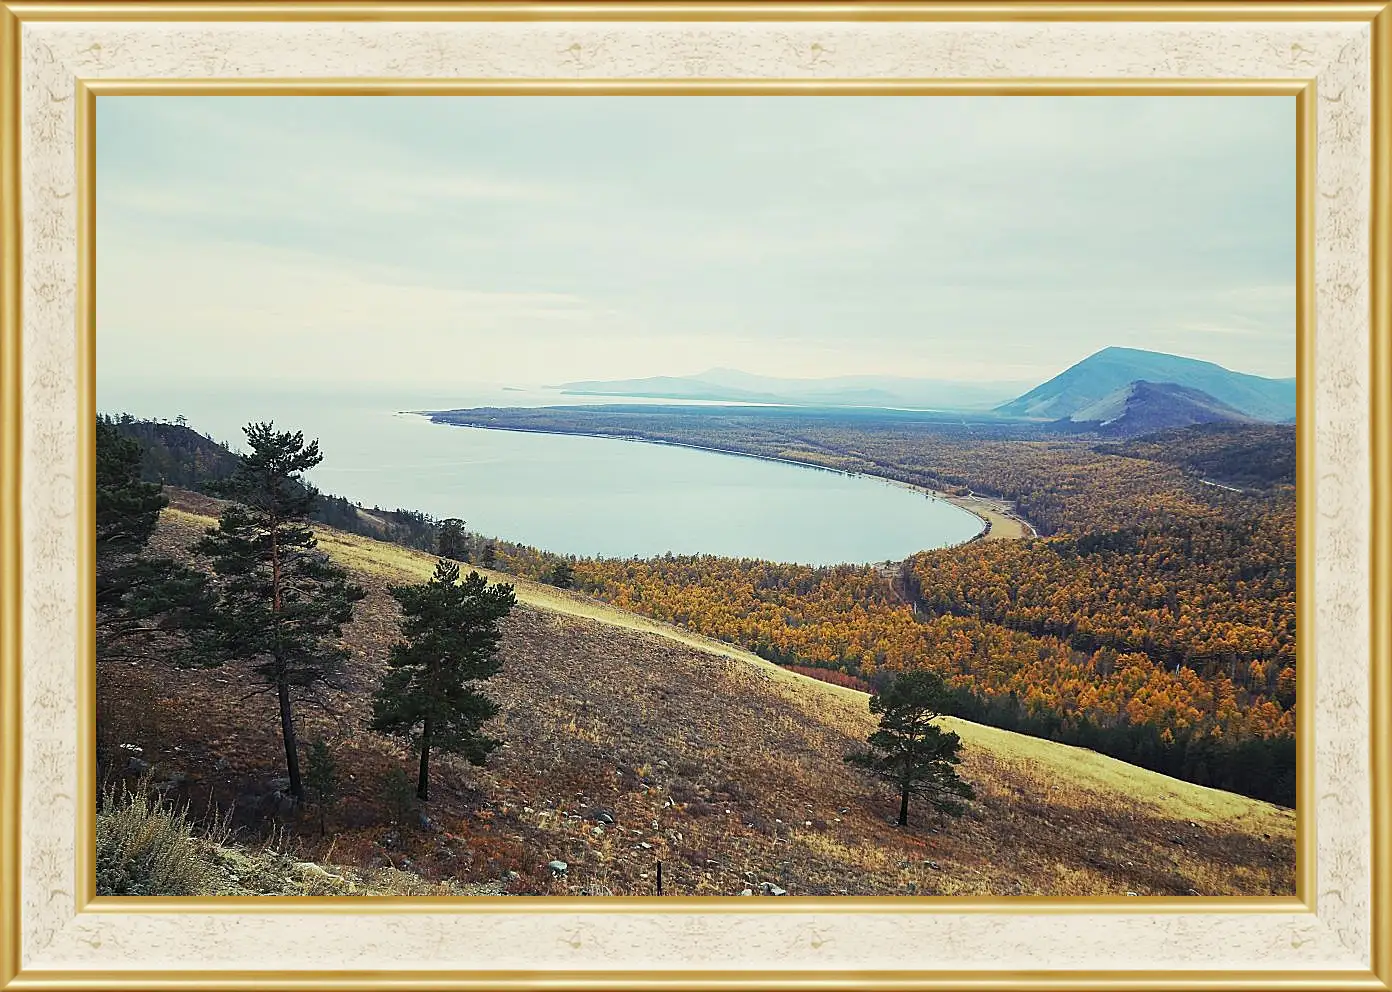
point(429, 240)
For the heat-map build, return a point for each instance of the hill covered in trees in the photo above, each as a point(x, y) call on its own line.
point(1156, 621)
point(626, 743)
point(175, 454)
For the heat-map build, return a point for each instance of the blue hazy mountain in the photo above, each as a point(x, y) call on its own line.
point(734, 386)
point(1143, 407)
point(1101, 375)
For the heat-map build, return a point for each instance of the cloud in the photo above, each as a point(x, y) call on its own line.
point(588, 237)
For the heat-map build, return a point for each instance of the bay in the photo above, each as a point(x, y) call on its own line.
point(564, 493)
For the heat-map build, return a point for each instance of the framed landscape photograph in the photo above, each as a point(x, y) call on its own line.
point(638, 495)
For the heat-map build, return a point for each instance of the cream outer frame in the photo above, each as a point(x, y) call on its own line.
point(60, 939)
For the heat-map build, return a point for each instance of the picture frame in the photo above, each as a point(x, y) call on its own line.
point(1333, 59)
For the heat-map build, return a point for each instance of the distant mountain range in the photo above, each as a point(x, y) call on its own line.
point(1118, 389)
point(734, 386)
point(1101, 375)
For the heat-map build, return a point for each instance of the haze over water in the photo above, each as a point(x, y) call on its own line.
point(569, 494)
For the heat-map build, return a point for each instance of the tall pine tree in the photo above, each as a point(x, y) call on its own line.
point(281, 604)
point(137, 594)
point(909, 750)
point(428, 695)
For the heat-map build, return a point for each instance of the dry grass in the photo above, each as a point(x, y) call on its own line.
point(724, 767)
point(146, 845)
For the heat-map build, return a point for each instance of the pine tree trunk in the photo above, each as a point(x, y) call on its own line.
point(287, 716)
point(423, 786)
point(904, 807)
point(287, 732)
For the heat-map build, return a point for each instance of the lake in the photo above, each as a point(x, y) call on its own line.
point(568, 494)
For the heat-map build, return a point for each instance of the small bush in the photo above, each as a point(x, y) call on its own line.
point(146, 847)
point(322, 777)
point(400, 796)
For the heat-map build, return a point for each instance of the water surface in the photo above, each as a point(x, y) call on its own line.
point(569, 494)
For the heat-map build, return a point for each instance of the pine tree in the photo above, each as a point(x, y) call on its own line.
point(451, 541)
point(452, 636)
point(281, 604)
point(137, 594)
point(563, 575)
point(127, 508)
point(909, 750)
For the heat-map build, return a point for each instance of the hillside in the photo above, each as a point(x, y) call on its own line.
point(177, 455)
point(721, 766)
point(1246, 456)
point(1143, 407)
point(1103, 373)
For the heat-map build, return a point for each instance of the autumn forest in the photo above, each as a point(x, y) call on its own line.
point(1154, 620)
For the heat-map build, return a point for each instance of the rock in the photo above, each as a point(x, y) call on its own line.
point(1132, 893)
point(281, 802)
point(558, 867)
point(137, 766)
point(602, 815)
point(773, 890)
point(221, 765)
point(645, 845)
point(931, 864)
point(279, 785)
point(747, 892)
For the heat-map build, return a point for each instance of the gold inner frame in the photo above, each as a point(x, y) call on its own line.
point(1303, 91)
point(1377, 13)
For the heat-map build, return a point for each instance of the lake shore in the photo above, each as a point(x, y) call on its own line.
point(1000, 521)
point(1006, 524)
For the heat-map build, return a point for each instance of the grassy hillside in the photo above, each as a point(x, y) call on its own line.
point(724, 767)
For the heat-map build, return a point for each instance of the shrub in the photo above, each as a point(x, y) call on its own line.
point(400, 795)
point(322, 776)
point(146, 847)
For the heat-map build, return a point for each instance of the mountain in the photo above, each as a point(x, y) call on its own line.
point(734, 386)
point(1143, 407)
point(1102, 374)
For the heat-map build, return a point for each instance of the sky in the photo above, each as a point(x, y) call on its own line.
point(535, 240)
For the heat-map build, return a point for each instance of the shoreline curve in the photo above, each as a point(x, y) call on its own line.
point(999, 520)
